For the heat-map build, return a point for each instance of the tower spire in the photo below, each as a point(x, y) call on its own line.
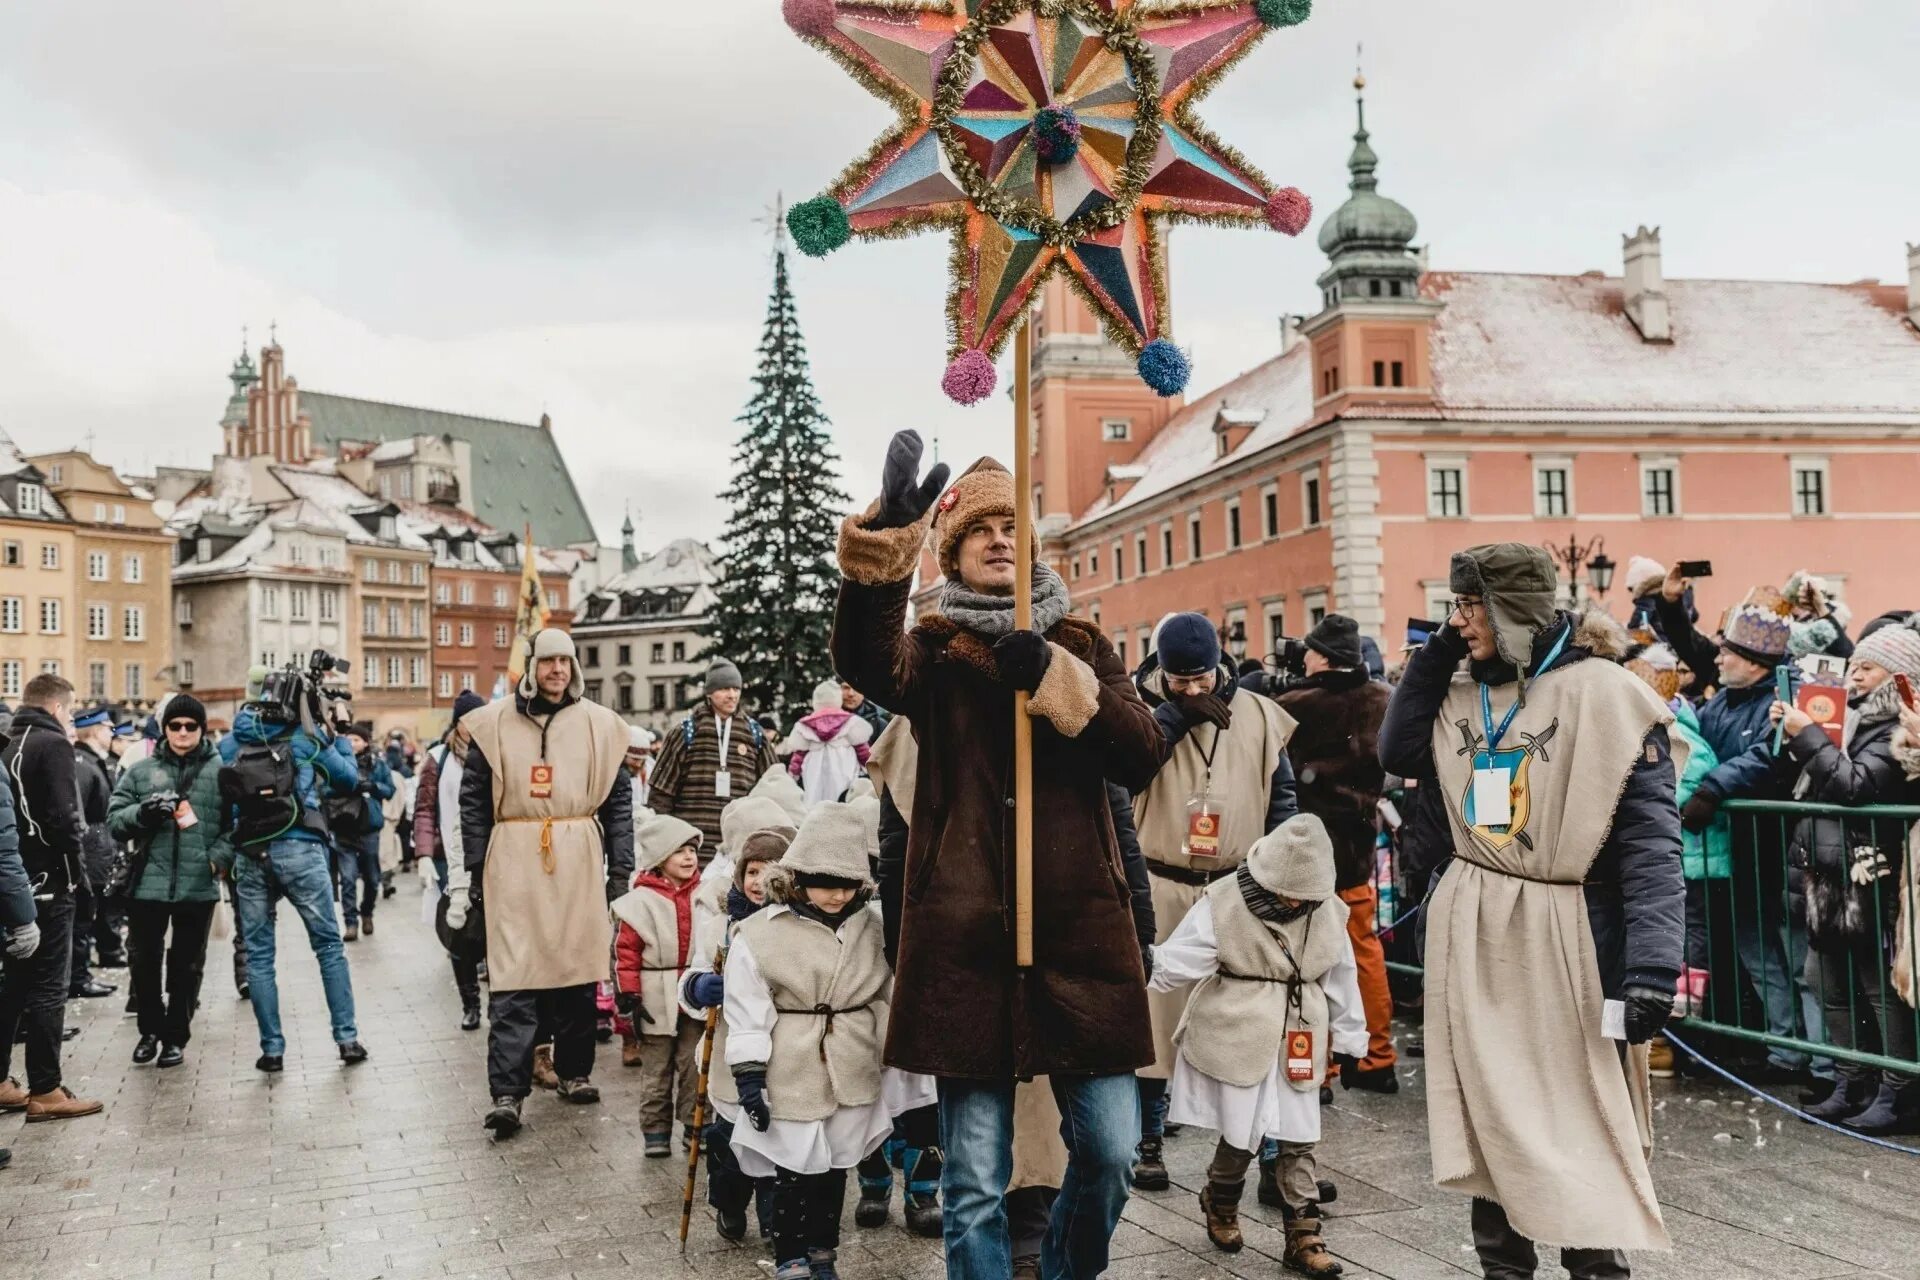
point(1362, 163)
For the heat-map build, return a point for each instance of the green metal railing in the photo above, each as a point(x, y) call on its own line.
point(1751, 930)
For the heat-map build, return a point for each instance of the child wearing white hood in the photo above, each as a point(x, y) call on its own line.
point(827, 748)
point(1278, 995)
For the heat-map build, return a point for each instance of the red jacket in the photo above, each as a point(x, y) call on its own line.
point(630, 947)
point(426, 810)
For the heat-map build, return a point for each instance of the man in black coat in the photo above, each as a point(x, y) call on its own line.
point(38, 760)
point(94, 772)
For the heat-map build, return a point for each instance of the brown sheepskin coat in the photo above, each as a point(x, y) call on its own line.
point(965, 1010)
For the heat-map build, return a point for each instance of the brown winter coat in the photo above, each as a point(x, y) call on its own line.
point(1336, 762)
point(967, 1011)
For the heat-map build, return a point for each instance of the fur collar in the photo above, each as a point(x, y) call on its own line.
point(1596, 631)
point(1076, 635)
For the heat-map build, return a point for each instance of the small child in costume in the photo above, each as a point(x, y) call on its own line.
point(651, 951)
point(740, 819)
point(1278, 994)
point(729, 1191)
point(807, 987)
point(827, 749)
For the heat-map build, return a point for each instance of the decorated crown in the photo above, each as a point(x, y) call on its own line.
point(1760, 630)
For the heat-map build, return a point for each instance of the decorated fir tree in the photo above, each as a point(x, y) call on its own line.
point(775, 609)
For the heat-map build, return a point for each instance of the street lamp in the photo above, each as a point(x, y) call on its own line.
point(1593, 556)
point(1237, 641)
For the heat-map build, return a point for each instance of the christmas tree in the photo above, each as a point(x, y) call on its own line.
point(775, 608)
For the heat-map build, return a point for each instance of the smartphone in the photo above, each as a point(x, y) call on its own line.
point(1420, 630)
point(1783, 690)
point(1696, 568)
point(1906, 691)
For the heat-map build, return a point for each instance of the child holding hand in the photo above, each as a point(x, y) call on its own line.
point(652, 948)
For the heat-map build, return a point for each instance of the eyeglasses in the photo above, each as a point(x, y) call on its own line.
point(182, 726)
point(1467, 608)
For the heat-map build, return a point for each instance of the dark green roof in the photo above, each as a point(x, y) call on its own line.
point(519, 476)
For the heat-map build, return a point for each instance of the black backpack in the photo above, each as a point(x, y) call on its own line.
point(259, 785)
point(346, 815)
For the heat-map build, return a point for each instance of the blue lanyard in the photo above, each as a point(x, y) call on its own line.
point(1486, 699)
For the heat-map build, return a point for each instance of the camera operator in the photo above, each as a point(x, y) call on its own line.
point(356, 820)
point(281, 765)
point(38, 759)
point(168, 808)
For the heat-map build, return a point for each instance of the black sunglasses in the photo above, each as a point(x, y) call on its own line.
point(181, 726)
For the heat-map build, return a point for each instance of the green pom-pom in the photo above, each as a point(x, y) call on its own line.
point(1283, 13)
point(819, 226)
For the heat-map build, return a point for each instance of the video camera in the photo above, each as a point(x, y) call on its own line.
point(1286, 664)
point(300, 694)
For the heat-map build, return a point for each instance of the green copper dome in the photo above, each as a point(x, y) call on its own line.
point(1368, 221)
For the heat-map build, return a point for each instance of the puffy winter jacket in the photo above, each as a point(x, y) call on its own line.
point(180, 863)
point(376, 785)
point(318, 768)
point(1822, 848)
point(426, 807)
point(16, 896)
point(46, 801)
point(1706, 855)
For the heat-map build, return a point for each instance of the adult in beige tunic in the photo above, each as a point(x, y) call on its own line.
point(546, 818)
point(1230, 755)
point(1554, 937)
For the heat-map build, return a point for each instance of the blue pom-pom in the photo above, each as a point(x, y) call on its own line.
point(1164, 367)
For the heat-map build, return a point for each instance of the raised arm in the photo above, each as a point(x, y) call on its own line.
point(1406, 735)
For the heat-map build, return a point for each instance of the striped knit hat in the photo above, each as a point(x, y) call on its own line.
point(1895, 648)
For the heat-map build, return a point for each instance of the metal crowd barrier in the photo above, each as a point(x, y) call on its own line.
point(1749, 940)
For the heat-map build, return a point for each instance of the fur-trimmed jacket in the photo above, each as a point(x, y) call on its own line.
point(1336, 757)
point(1082, 1008)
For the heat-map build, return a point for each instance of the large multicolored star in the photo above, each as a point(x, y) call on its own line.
point(1049, 135)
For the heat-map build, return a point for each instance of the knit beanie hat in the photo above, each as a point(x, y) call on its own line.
point(1759, 634)
point(1644, 576)
point(660, 837)
point(762, 846)
point(1521, 590)
point(826, 696)
point(1187, 644)
point(467, 701)
point(742, 817)
point(983, 490)
point(777, 785)
point(1295, 860)
point(1896, 648)
point(182, 706)
point(832, 842)
point(1337, 639)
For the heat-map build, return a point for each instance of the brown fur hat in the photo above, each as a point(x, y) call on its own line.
point(769, 844)
point(983, 490)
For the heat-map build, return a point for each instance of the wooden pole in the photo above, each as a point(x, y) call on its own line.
point(1023, 620)
point(699, 1108)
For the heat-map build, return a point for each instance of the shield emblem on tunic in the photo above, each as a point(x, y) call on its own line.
point(1515, 764)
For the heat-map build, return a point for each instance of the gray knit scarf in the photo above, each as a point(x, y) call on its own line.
point(993, 615)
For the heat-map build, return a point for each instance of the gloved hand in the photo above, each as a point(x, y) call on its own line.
point(23, 940)
point(1348, 1064)
point(1697, 814)
point(457, 906)
point(1146, 960)
point(156, 812)
point(751, 1084)
point(1023, 658)
point(1204, 708)
point(473, 895)
point(904, 499)
point(707, 990)
point(1647, 1012)
point(1449, 642)
point(624, 1001)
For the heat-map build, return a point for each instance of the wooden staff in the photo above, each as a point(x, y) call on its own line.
point(1022, 620)
point(699, 1110)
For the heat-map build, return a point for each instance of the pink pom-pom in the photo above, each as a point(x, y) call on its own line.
point(810, 17)
point(970, 378)
point(1289, 211)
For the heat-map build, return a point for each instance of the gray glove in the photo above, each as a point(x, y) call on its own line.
point(23, 940)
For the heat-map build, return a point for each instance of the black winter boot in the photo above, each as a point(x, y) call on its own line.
point(876, 1190)
point(1851, 1096)
point(1270, 1186)
point(924, 1218)
point(1150, 1170)
point(1895, 1109)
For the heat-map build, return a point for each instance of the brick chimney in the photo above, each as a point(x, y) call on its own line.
point(1646, 286)
point(1913, 285)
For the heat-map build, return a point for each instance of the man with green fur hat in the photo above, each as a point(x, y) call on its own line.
point(1559, 789)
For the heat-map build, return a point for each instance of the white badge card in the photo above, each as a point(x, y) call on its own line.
point(722, 784)
point(1613, 1019)
point(1492, 798)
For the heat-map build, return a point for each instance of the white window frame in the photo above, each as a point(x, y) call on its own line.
point(466, 682)
point(97, 679)
point(99, 508)
point(183, 610)
point(98, 566)
point(49, 555)
point(99, 623)
point(500, 600)
point(1309, 517)
point(1801, 465)
point(443, 634)
point(133, 675)
point(369, 618)
point(396, 671)
point(1232, 524)
point(1669, 464)
point(133, 622)
point(1269, 505)
point(1541, 466)
point(52, 623)
point(501, 637)
point(1196, 537)
point(466, 593)
point(416, 672)
point(119, 513)
point(186, 671)
point(28, 499)
point(1450, 462)
point(329, 604)
point(1119, 560)
point(1116, 430)
point(1140, 553)
point(298, 600)
point(12, 672)
point(1312, 602)
point(369, 570)
point(466, 635)
point(133, 567)
point(1273, 615)
point(269, 600)
point(442, 594)
point(13, 615)
point(444, 685)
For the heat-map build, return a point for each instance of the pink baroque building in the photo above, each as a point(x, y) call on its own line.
point(1765, 426)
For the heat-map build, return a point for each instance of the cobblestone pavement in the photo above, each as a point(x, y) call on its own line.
point(213, 1171)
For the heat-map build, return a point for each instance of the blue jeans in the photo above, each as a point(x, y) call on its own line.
point(1099, 1122)
point(299, 870)
point(440, 870)
point(1775, 959)
point(358, 857)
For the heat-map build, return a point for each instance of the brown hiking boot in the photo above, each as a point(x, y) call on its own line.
point(544, 1076)
point(1306, 1251)
point(1220, 1205)
point(60, 1104)
point(630, 1053)
point(13, 1096)
point(350, 934)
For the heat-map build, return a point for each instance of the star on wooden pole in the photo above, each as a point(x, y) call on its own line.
point(1046, 135)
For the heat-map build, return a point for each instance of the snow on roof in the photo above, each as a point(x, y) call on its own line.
point(684, 562)
point(1743, 346)
point(336, 499)
point(389, 450)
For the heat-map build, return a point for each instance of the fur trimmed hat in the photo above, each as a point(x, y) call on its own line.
point(551, 642)
point(769, 845)
point(983, 490)
point(1295, 860)
point(832, 842)
point(1520, 591)
point(660, 837)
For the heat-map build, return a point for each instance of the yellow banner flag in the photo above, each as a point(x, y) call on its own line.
point(531, 615)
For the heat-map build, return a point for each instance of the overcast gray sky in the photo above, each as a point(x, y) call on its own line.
point(508, 207)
